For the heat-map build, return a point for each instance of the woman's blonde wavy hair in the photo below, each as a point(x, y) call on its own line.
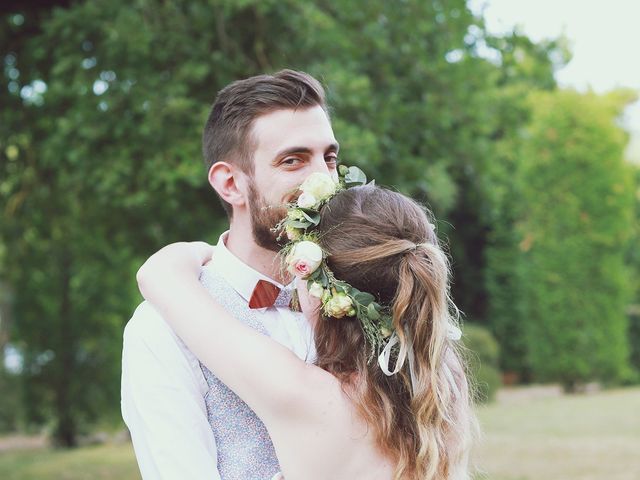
point(382, 242)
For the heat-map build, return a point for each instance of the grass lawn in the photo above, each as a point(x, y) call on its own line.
point(557, 437)
point(529, 434)
point(103, 462)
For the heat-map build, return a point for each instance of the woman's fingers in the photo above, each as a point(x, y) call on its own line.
point(309, 304)
point(202, 251)
point(173, 259)
point(184, 254)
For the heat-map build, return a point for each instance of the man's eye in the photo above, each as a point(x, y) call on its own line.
point(331, 159)
point(290, 161)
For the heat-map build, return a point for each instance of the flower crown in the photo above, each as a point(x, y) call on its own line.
point(305, 258)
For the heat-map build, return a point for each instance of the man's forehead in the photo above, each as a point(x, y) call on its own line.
point(288, 128)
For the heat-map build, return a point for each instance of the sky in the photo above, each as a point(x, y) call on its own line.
point(604, 37)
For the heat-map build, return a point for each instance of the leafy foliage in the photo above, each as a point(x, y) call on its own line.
point(101, 109)
point(579, 208)
point(483, 353)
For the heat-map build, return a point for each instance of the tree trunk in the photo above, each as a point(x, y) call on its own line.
point(5, 316)
point(65, 432)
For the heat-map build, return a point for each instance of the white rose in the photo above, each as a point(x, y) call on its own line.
point(316, 290)
point(304, 258)
point(339, 305)
point(306, 200)
point(320, 185)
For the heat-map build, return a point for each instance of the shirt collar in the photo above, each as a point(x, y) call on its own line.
point(238, 274)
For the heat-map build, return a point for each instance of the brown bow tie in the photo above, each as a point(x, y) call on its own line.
point(266, 294)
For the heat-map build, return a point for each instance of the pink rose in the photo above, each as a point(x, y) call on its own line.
point(302, 268)
point(304, 258)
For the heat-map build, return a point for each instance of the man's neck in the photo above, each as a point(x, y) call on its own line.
point(241, 243)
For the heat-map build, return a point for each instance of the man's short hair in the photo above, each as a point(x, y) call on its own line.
point(227, 133)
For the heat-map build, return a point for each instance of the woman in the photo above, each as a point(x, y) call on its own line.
point(382, 280)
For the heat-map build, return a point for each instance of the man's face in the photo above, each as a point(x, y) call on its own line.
point(291, 144)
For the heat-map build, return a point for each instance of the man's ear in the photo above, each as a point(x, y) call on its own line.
point(229, 182)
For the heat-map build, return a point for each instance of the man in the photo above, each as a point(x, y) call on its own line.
point(263, 137)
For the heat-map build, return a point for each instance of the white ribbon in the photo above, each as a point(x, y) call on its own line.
point(412, 368)
point(385, 356)
point(406, 352)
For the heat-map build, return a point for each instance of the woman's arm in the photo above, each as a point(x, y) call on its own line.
point(266, 375)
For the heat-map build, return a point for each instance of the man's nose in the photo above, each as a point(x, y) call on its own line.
point(320, 165)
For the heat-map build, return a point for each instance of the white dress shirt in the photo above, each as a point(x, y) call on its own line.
point(163, 388)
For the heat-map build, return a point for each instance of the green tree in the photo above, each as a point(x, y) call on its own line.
point(576, 224)
point(102, 105)
point(95, 174)
point(633, 260)
point(523, 66)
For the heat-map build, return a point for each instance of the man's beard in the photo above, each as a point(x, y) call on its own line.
point(264, 218)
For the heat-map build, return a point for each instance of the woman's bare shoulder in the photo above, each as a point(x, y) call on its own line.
point(314, 393)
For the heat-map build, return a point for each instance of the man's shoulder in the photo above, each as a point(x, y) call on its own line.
point(145, 317)
point(148, 338)
point(147, 326)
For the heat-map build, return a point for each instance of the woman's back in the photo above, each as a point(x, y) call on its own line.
point(324, 437)
point(380, 285)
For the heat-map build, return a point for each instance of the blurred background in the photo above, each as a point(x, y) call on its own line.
point(517, 122)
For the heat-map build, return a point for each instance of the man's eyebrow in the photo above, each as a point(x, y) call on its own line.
point(292, 150)
point(334, 147)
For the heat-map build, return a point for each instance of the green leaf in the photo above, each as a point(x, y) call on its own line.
point(309, 211)
point(363, 298)
point(341, 287)
point(355, 177)
point(324, 279)
point(299, 224)
point(315, 276)
point(311, 215)
point(372, 312)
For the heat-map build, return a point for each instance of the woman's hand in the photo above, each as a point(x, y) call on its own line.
point(309, 304)
point(174, 264)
